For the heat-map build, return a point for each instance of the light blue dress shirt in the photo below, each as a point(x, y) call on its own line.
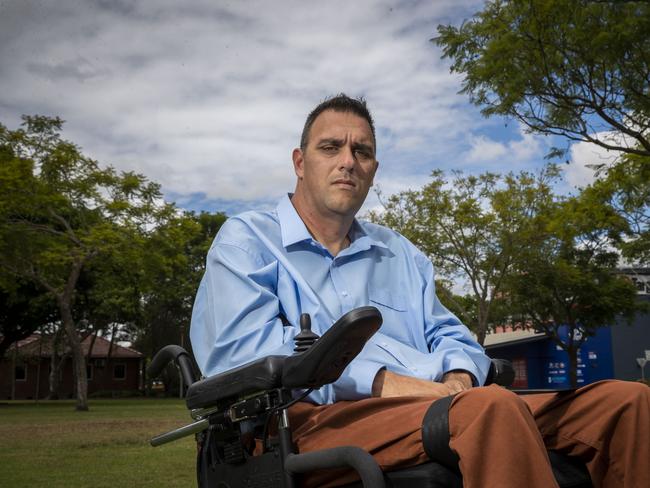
point(262, 264)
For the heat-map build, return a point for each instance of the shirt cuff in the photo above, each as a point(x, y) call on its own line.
point(458, 370)
point(458, 364)
point(356, 381)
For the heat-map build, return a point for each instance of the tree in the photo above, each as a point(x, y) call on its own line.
point(60, 211)
point(565, 284)
point(575, 68)
point(474, 227)
point(24, 308)
point(173, 270)
point(625, 188)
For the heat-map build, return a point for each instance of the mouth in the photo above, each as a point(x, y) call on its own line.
point(345, 183)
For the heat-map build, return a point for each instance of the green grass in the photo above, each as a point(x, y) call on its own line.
point(50, 445)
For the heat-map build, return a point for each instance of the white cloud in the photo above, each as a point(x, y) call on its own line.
point(484, 150)
point(209, 98)
point(584, 156)
point(387, 186)
point(516, 151)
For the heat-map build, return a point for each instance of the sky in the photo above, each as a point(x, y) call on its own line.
point(208, 98)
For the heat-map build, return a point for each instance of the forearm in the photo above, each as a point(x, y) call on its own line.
point(458, 380)
point(388, 384)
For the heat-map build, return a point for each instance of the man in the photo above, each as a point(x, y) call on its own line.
point(311, 255)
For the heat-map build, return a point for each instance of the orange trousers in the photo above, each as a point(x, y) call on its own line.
point(606, 424)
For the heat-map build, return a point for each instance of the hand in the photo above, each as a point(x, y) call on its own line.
point(388, 384)
point(457, 381)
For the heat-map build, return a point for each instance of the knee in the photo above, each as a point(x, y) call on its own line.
point(625, 392)
point(493, 393)
point(491, 410)
point(493, 399)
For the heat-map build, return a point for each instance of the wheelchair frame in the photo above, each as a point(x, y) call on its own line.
point(231, 409)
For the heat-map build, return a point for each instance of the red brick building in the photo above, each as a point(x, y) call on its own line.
point(111, 370)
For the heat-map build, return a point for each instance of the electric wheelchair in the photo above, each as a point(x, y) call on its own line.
point(232, 409)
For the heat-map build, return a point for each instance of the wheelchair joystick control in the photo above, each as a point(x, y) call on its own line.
point(305, 338)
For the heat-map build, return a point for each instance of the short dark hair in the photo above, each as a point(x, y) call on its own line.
point(338, 103)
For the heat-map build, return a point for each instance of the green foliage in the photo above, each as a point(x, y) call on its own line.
point(173, 264)
point(60, 213)
point(112, 255)
point(472, 226)
point(24, 308)
point(625, 189)
point(575, 68)
point(59, 208)
point(530, 257)
point(568, 279)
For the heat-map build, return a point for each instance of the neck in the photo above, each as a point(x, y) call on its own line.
point(330, 230)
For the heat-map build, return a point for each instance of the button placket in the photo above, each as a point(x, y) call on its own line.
point(340, 286)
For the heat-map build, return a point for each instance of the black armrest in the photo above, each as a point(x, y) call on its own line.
point(259, 375)
point(321, 364)
point(501, 373)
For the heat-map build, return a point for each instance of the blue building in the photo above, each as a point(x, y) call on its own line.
point(540, 363)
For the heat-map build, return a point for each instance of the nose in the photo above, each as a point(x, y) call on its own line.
point(347, 160)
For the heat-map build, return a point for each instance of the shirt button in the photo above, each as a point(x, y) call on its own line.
point(344, 293)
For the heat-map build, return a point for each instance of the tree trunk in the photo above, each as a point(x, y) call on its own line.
point(37, 394)
point(65, 301)
point(13, 372)
point(55, 368)
point(109, 356)
point(78, 359)
point(92, 345)
point(482, 323)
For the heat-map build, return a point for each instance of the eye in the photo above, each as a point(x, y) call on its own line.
point(329, 148)
point(363, 153)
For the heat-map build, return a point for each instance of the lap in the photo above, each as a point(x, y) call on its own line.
point(390, 428)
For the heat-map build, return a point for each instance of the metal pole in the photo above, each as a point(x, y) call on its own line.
point(643, 372)
point(180, 388)
point(13, 371)
point(179, 433)
point(642, 362)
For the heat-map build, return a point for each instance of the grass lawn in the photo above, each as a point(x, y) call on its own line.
point(50, 445)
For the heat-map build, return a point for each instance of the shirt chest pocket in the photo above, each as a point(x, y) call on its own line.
point(389, 301)
point(394, 311)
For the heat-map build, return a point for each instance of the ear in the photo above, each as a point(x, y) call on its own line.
point(298, 163)
point(374, 172)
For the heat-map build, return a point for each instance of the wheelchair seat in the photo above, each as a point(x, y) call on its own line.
point(233, 408)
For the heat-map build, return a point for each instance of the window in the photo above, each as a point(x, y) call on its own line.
point(20, 372)
point(521, 373)
point(89, 371)
point(642, 285)
point(119, 372)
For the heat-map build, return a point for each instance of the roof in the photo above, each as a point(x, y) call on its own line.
point(512, 337)
point(32, 346)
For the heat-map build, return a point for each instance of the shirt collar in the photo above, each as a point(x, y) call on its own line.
point(294, 230)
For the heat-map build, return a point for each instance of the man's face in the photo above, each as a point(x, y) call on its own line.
point(337, 168)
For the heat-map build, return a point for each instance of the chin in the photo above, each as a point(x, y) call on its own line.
point(345, 210)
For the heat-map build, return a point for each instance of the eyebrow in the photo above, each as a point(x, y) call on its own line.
point(340, 142)
point(332, 140)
